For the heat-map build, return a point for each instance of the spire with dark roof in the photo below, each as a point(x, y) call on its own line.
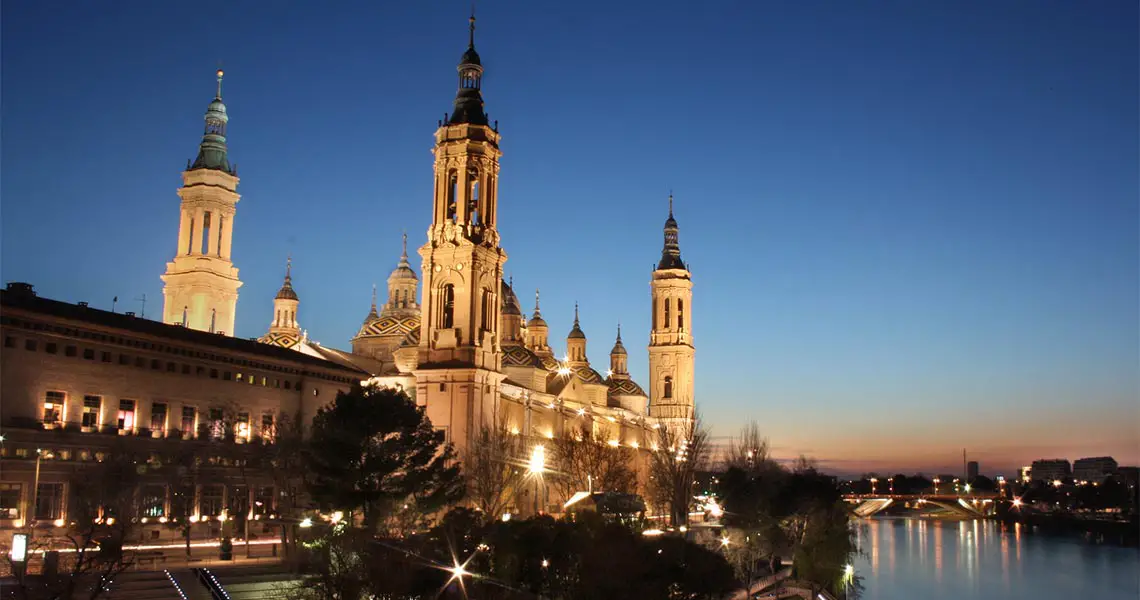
point(469, 100)
point(576, 332)
point(671, 253)
point(536, 320)
point(212, 150)
point(286, 292)
point(618, 347)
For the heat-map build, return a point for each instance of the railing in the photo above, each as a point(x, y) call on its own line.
point(206, 578)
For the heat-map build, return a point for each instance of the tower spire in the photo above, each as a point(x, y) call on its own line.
point(671, 253)
point(374, 297)
point(575, 314)
point(537, 312)
point(212, 152)
point(471, 39)
point(469, 100)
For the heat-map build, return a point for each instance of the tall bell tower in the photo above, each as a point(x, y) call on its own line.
point(671, 339)
point(459, 374)
point(201, 282)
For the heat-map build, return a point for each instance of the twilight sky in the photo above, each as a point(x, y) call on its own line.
point(913, 226)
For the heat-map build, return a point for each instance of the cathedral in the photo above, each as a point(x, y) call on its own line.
point(462, 347)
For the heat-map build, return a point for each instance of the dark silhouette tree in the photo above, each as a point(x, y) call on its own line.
point(373, 450)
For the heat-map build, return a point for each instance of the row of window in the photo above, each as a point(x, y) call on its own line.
point(156, 501)
point(144, 345)
point(124, 419)
point(69, 350)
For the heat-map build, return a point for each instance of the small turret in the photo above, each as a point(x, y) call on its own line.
point(576, 343)
point(212, 152)
point(537, 332)
point(619, 357)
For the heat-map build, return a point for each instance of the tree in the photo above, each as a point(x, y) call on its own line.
point(373, 450)
point(102, 509)
point(749, 451)
point(585, 463)
point(681, 451)
point(495, 468)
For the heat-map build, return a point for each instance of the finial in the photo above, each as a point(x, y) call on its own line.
point(511, 281)
point(670, 203)
point(619, 332)
point(288, 267)
point(575, 314)
point(374, 296)
point(405, 254)
point(220, 73)
point(471, 41)
point(536, 301)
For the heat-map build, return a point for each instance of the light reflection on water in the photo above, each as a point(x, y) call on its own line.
point(978, 559)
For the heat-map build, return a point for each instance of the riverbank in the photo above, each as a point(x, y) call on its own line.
point(1099, 531)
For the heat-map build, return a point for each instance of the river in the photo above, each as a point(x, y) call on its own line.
point(944, 560)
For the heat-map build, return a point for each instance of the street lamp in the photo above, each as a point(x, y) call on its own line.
point(40, 455)
point(873, 482)
point(936, 482)
point(535, 467)
point(891, 480)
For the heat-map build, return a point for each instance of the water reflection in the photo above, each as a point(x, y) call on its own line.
point(966, 563)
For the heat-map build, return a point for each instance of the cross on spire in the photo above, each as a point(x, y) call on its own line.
point(471, 40)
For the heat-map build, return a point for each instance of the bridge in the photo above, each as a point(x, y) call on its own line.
point(972, 505)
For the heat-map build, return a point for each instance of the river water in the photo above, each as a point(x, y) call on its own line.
point(944, 560)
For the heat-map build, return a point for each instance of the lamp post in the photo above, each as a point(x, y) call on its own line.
point(535, 468)
point(891, 481)
point(873, 482)
point(936, 482)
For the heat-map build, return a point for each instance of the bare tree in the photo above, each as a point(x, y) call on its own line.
point(495, 467)
point(749, 451)
point(682, 450)
point(584, 463)
point(102, 509)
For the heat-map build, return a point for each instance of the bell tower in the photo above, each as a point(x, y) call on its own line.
point(671, 340)
point(459, 353)
point(201, 282)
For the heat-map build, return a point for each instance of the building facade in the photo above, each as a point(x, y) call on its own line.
point(1095, 469)
point(78, 380)
point(1056, 469)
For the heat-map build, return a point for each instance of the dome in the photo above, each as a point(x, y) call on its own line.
point(218, 108)
point(576, 333)
point(387, 326)
point(520, 356)
point(470, 57)
point(286, 292)
point(619, 348)
point(412, 339)
point(536, 321)
point(624, 387)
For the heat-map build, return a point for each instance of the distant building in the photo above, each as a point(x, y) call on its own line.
point(1095, 469)
point(1129, 476)
point(1024, 474)
point(971, 470)
point(1050, 470)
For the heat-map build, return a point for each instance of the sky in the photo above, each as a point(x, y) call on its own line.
point(912, 226)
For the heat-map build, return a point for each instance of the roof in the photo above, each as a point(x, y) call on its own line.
point(624, 387)
point(22, 296)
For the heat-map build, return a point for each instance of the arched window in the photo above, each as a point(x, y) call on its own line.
point(452, 195)
point(665, 323)
point(278, 321)
point(680, 313)
point(668, 387)
point(654, 324)
point(448, 320)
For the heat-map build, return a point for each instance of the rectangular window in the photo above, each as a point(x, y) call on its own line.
point(124, 359)
point(71, 351)
point(92, 411)
point(30, 345)
point(51, 348)
point(213, 373)
point(189, 420)
point(153, 501)
point(210, 503)
point(88, 354)
point(49, 502)
point(53, 408)
point(238, 501)
point(9, 341)
point(268, 428)
point(105, 357)
point(217, 424)
point(241, 429)
point(158, 418)
point(10, 500)
point(263, 500)
point(126, 416)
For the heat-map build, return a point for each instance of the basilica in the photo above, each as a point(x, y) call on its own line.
point(463, 347)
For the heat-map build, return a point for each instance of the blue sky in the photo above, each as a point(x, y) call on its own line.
point(912, 225)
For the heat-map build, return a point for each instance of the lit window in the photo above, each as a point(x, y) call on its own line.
point(158, 418)
point(92, 407)
point(217, 426)
point(241, 430)
point(126, 416)
point(10, 500)
point(210, 502)
point(189, 418)
point(268, 427)
point(53, 408)
point(153, 501)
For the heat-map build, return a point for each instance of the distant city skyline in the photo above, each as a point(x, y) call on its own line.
point(912, 229)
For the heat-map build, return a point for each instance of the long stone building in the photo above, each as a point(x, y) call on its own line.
point(462, 346)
